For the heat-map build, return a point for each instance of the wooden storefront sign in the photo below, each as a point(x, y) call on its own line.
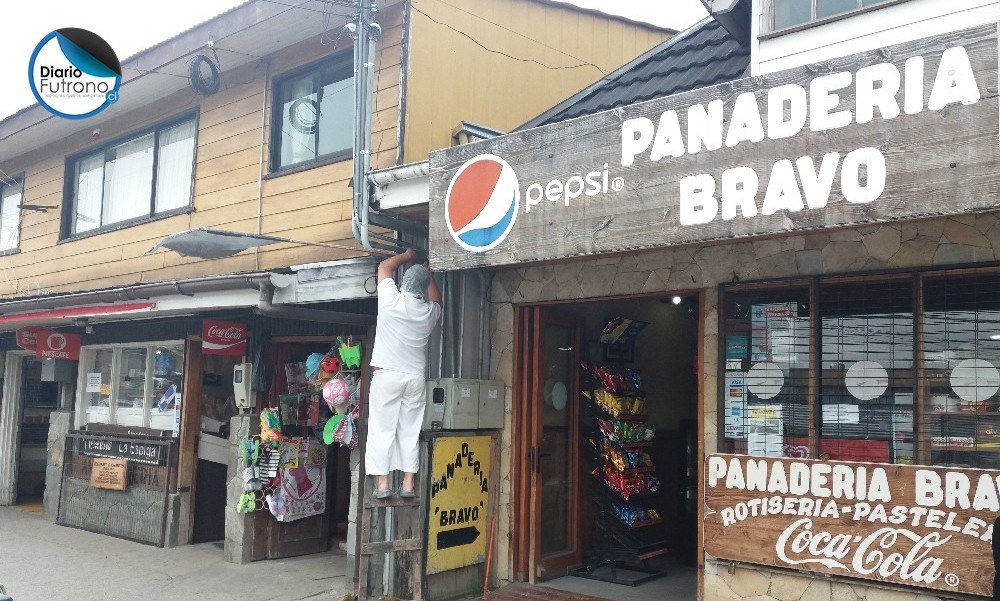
point(901, 132)
point(458, 528)
point(109, 473)
point(921, 526)
point(133, 450)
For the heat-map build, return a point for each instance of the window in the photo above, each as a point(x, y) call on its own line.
point(906, 369)
point(10, 212)
point(136, 178)
point(132, 385)
point(791, 13)
point(315, 113)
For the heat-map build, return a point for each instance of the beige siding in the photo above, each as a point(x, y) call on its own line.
point(312, 205)
point(504, 61)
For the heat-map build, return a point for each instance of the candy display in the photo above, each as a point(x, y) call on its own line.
point(629, 485)
point(626, 431)
point(633, 515)
point(617, 405)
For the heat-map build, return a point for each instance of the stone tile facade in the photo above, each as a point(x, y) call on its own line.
point(960, 240)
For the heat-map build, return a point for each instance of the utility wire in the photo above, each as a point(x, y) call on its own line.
point(510, 56)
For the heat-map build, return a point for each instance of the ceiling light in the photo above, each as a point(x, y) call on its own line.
point(676, 300)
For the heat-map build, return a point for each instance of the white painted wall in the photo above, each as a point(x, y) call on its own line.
point(894, 24)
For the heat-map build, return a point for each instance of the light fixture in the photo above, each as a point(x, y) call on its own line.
point(676, 300)
point(994, 336)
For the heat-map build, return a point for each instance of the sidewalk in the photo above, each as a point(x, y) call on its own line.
point(40, 561)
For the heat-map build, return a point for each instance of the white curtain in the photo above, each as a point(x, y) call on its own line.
point(298, 139)
point(128, 180)
point(336, 117)
point(89, 187)
point(10, 216)
point(174, 167)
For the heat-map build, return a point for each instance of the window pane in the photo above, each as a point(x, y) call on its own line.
point(96, 365)
point(961, 356)
point(168, 381)
point(299, 121)
point(336, 114)
point(89, 188)
point(175, 163)
point(766, 391)
point(866, 382)
point(829, 8)
point(10, 216)
point(871, 2)
point(131, 379)
point(788, 13)
point(128, 180)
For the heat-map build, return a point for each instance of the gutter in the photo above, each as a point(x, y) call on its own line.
point(267, 309)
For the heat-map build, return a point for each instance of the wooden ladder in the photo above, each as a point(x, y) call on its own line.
point(390, 527)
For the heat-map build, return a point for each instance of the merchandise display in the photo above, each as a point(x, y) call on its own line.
point(620, 442)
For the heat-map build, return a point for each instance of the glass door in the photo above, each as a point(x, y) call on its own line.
point(553, 456)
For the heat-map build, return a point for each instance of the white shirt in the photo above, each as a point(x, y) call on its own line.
point(404, 326)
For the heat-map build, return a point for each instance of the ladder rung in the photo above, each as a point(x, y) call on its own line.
point(372, 503)
point(406, 544)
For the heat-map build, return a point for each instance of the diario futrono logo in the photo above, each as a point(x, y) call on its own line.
point(74, 73)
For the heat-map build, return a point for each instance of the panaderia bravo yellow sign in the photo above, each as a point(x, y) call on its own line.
point(458, 527)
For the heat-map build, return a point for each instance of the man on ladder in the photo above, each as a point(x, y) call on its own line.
point(396, 401)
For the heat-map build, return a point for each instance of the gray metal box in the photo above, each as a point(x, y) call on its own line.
point(452, 404)
point(491, 404)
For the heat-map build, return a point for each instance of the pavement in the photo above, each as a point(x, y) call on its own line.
point(41, 561)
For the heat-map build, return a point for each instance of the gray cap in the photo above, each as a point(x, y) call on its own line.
point(416, 279)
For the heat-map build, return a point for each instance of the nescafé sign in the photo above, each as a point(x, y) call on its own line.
point(900, 132)
point(921, 526)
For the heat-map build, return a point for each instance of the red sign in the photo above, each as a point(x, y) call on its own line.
point(223, 338)
point(57, 345)
point(27, 338)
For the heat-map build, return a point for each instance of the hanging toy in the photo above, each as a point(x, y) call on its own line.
point(270, 426)
point(337, 395)
point(276, 505)
point(330, 364)
point(330, 428)
point(350, 353)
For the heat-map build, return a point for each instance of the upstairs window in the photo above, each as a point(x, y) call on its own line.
point(11, 190)
point(792, 13)
point(138, 178)
point(314, 115)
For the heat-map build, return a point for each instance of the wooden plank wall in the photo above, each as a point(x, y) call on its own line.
point(544, 52)
point(313, 205)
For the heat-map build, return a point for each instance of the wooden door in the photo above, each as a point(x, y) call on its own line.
point(553, 453)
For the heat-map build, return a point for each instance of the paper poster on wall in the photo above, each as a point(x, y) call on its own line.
point(94, 382)
point(735, 405)
point(736, 347)
point(841, 413)
point(773, 332)
point(765, 431)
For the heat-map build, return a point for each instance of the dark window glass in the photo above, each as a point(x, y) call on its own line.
point(315, 113)
point(10, 212)
point(865, 410)
point(766, 378)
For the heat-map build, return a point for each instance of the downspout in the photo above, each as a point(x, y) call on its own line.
point(260, 166)
point(266, 308)
point(366, 34)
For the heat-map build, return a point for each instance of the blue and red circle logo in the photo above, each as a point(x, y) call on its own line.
point(482, 202)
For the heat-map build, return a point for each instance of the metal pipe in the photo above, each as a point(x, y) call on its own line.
point(366, 34)
point(444, 323)
point(404, 70)
point(485, 283)
point(463, 294)
point(381, 177)
point(260, 165)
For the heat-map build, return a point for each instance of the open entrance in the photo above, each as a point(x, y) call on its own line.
point(607, 430)
point(39, 397)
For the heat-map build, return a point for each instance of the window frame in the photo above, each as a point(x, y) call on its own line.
point(115, 372)
point(923, 448)
point(4, 184)
point(768, 29)
point(69, 178)
point(274, 167)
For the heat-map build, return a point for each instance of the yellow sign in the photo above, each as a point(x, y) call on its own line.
point(458, 527)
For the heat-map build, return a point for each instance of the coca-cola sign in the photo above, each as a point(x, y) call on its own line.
point(922, 526)
point(223, 338)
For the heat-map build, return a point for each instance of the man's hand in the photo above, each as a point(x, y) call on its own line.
point(387, 267)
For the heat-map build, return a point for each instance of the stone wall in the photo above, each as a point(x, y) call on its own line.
point(963, 239)
point(60, 422)
point(238, 544)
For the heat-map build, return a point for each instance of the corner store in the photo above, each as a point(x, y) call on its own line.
point(830, 265)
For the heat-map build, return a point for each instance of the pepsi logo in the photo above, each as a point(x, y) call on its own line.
point(482, 203)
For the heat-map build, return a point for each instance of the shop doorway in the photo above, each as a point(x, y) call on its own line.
point(607, 437)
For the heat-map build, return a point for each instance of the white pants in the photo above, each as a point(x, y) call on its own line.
point(396, 404)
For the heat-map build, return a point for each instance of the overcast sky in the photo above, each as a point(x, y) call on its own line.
point(130, 26)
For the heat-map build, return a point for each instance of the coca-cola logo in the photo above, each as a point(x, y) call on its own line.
point(226, 333)
point(884, 553)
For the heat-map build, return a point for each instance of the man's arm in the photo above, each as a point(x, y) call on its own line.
point(433, 294)
point(389, 266)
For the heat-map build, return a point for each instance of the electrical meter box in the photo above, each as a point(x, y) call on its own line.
point(452, 404)
point(241, 385)
point(491, 399)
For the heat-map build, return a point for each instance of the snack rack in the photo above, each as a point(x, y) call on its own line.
point(623, 479)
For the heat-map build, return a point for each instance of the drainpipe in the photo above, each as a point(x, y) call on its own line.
point(366, 34)
point(260, 165)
